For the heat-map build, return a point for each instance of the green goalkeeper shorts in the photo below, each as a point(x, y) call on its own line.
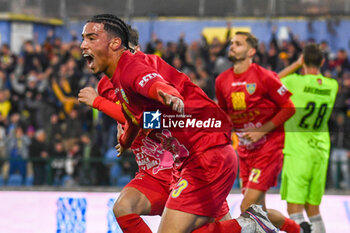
point(303, 181)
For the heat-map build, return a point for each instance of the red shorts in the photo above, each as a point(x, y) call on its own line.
point(156, 191)
point(260, 170)
point(205, 180)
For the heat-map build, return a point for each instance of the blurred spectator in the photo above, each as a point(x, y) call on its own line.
point(170, 52)
point(261, 55)
point(341, 62)
point(113, 166)
point(29, 56)
point(29, 94)
point(53, 131)
point(63, 91)
point(3, 80)
point(193, 52)
point(128, 163)
point(8, 60)
point(18, 149)
point(326, 53)
point(58, 163)
point(38, 152)
point(74, 75)
point(71, 164)
point(72, 129)
point(30, 133)
point(108, 133)
point(339, 157)
point(85, 171)
point(155, 46)
point(3, 153)
point(206, 82)
point(5, 104)
point(214, 54)
point(14, 122)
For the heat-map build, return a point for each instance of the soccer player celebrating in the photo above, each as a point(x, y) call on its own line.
point(258, 105)
point(148, 192)
point(204, 162)
point(307, 142)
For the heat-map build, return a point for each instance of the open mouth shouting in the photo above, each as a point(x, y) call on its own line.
point(90, 60)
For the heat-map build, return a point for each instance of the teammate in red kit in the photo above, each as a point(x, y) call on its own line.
point(204, 162)
point(258, 105)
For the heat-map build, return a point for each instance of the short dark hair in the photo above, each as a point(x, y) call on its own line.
point(114, 25)
point(313, 55)
point(133, 36)
point(251, 39)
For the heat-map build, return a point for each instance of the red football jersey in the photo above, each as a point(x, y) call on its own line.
point(204, 125)
point(251, 99)
point(149, 155)
point(106, 89)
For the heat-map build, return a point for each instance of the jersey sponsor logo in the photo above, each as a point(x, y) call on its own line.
point(148, 77)
point(319, 81)
point(244, 117)
point(151, 120)
point(238, 101)
point(251, 87)
point(181, 185)
point(235, 84)
point(282, 90)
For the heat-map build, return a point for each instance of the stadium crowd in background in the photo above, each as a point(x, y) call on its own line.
point(38, 94)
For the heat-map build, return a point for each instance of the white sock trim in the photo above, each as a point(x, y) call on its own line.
point(297, 217)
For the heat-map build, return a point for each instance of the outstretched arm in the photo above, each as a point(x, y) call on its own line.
point(91, 98)
point(291, 68)
point(167, 95)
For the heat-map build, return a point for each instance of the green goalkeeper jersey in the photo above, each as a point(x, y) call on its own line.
point(307, 133)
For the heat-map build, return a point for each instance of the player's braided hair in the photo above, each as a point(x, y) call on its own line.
point(115, 25)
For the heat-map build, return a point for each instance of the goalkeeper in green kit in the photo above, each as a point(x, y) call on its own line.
point(307, 140)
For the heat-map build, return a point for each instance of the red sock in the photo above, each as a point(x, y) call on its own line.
point(220, 227)
point(133, 223)
point(290, 226)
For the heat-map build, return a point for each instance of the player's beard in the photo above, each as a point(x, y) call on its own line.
point(236, 59)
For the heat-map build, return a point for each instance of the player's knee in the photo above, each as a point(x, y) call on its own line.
point(122, 207)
